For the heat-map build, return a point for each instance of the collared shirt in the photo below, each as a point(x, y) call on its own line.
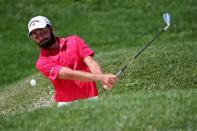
point(70, 54)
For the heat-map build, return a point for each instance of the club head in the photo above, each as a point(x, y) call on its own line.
point(167, 20)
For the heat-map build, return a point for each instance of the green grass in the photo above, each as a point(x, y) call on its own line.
point(143, 110)
point(152, 95)
point(105, 25)
point(157, 92)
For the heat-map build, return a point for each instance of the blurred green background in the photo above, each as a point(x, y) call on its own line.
point(105, 25)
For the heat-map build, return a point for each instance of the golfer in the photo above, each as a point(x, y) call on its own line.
point(68, 62)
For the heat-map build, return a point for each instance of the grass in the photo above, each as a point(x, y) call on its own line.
point(143, 110)
point(155, 96)
point(105, 25)
point(157, 92)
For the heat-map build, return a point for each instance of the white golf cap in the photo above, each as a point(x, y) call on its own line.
point(37, 23)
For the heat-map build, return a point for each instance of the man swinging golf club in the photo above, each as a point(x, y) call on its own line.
point(68, 62)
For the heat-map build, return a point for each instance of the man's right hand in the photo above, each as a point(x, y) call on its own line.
point(108, 81)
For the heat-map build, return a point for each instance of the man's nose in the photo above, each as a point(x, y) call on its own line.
point(39, 38)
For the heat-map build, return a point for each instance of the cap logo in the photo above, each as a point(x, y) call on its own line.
point(33, 23)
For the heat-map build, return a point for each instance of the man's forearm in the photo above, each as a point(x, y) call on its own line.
point(93, 65)
point(67, 73)
point(95, 68)
point(107, 79)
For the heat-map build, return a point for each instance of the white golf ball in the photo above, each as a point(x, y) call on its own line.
point(33, 82)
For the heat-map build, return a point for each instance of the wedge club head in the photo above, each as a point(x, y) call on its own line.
point(167, 20)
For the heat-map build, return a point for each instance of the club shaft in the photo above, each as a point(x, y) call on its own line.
point(148, 44)
point(126, 65)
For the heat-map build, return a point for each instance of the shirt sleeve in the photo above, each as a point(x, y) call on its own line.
point(83, 48)
point(49, 68)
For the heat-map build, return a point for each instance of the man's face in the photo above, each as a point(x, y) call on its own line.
point(43, 37)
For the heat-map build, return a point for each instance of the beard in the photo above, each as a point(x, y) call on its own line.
point(47, 42)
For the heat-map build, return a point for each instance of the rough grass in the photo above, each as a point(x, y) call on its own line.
point(155, 93)
point(105, 25)
point(141, 110)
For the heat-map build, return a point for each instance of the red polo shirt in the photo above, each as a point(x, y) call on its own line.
point(71, 54)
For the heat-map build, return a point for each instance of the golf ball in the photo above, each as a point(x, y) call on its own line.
point(33, 82)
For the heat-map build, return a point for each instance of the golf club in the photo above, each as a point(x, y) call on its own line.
point(167, 20)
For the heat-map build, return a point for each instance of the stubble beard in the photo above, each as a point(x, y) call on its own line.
point(47, 42)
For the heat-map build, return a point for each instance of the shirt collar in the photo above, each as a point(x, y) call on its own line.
point(61, 41)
